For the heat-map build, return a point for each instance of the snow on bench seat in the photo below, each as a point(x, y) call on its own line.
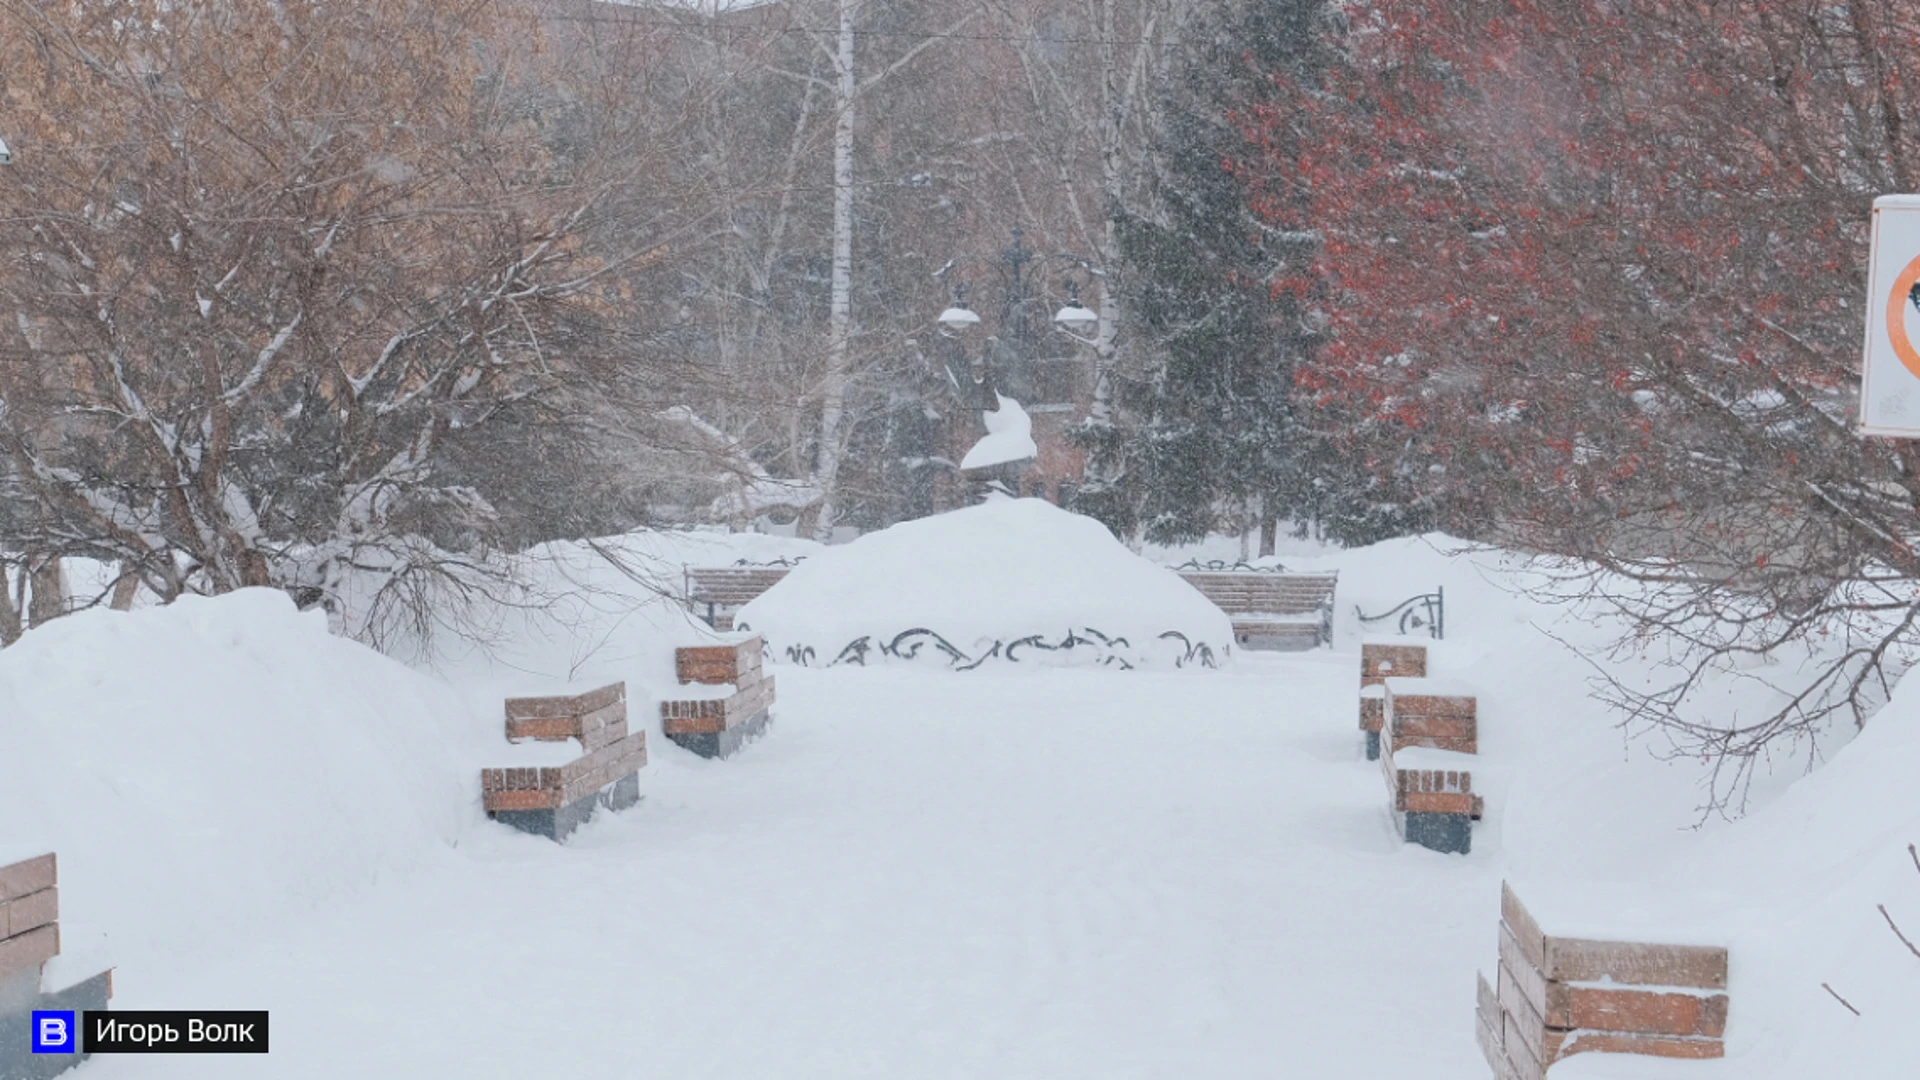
point(1373, 715)
point(1430, 794)
point(714, 724)
point(550, 795)
point(1554, 996)
point(1438, 713)
point(723, 590)
point(1275, 611)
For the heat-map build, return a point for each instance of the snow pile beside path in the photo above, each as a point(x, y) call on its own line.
point(1596, 827)
point(579, 614)
point(1017, 579)
point(1794, 893)
point(1800, 883)
point(1009, 437)
point(207, 769)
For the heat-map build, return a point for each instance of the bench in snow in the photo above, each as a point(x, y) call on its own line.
point(1271, 610)
point(552, 801)
point(1430, 793)
point(1435, 713)
point(1554, 996)
point(737, 708)
point(716, 593)
point(30, 963)
point(1380, 660)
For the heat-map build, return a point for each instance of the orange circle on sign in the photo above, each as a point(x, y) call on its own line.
point(1897, 317)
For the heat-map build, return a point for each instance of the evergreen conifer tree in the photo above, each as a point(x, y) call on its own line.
point(1203, 422)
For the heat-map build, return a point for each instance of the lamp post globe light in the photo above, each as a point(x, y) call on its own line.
point(1048, 377)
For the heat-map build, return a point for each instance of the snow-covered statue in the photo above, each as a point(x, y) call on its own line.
point(997, 460)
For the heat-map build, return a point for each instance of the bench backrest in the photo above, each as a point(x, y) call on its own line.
point(1247, 593)
point(731, 586)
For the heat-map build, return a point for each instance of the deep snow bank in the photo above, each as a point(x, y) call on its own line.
point(581, 613)
point(208, 768)
point(1794, 891)
point(1016, 579)
point(1602, 830)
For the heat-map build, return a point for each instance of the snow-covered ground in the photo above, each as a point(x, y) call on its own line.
point(1005, 873)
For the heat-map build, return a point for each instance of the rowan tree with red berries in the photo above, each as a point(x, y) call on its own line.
point(1592, 277)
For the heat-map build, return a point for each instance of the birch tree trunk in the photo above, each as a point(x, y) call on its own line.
point(48, 600)
point(9, 614)
point(833, 387)
point(1112, 191)
point(124, 590)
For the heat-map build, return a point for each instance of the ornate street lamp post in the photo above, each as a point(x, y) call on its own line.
point(1045, 391)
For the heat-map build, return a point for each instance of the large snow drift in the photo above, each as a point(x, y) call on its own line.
point(204, 769)
point(577, 614)
point(1010, 579)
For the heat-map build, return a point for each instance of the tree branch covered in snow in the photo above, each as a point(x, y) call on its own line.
point(302, 289)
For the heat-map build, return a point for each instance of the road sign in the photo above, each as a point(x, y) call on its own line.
point(1890, 374)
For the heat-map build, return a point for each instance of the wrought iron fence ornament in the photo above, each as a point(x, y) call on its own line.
point(908, 645)
point(1222, 566)
point(1426, 610)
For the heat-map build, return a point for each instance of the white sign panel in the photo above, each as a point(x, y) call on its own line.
point(1890, 376)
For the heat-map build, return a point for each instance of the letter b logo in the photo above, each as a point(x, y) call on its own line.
point(53, 1032)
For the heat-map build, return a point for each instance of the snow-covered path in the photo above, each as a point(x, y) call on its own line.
point(1003, 874)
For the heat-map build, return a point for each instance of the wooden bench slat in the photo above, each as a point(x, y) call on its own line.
point(1271, 608)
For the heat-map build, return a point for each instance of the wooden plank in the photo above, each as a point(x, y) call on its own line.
point(28, 876)
point(1526, 932)
point(1527, 980)
point(521, 800)
point(1635, 963)
point(1642, 1012)
point(547, 708)
point(1525, 1023)
point(29, 912)
point(1666, 1046)
point(1435, 802)
point(28, 951)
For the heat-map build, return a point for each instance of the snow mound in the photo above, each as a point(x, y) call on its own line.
point(1010, 579)
point(571, 615)
point(1009, 437)
point(205, 769)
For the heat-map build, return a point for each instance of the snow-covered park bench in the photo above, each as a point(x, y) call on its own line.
point(1424, 732)
point(1431, 795)
point(1271, 609)
point(1380, 661)
point(553, 800)
point(736, 709)
point(715, 593)
point(1554, 996)
point(29, 940)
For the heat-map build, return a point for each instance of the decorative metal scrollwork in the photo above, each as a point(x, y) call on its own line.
point(1109, 650)
point(1193, 651)
point(778, 560)
point(1427, 611)
point(855, 652)
point(1222, 566)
